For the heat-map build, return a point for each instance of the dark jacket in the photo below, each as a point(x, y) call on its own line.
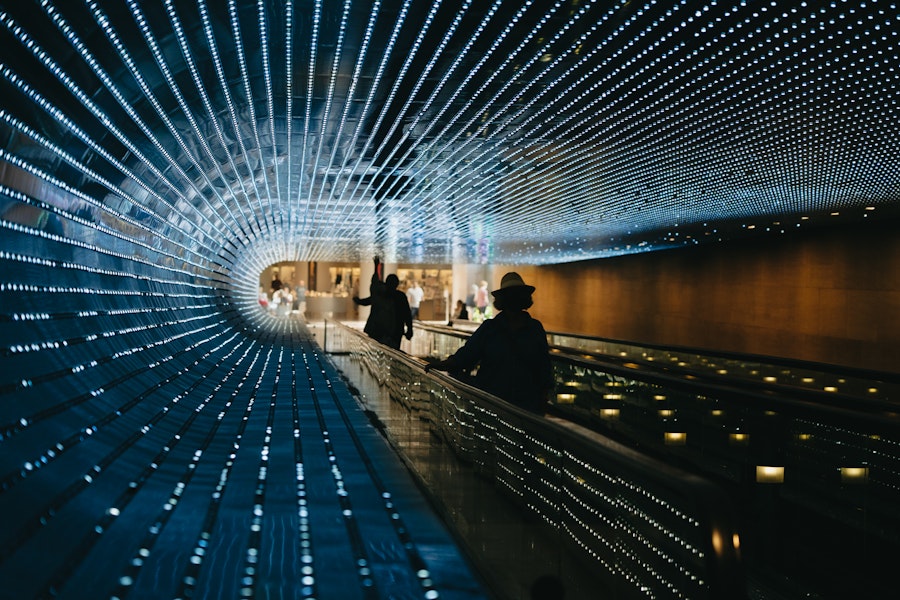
point(390, 316)
point(513, 359)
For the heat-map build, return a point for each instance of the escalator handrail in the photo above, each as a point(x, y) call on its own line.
point(762, 359)
point(701, 382)
point(712, 508)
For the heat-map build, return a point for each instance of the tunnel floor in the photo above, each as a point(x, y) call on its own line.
point(250, 472)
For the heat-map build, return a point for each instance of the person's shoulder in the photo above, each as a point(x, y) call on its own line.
point(535, 324)
point(491, 324)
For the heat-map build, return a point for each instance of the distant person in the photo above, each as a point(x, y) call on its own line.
point(482, 299)
point(374, 327)
point(283, 300)
point(390, 318)
point(510, 350)
point(300, 298)
point(401, 316)
point(263, 298)
point(460, 314)
point(415, 294)
point(276, 284)
point(470, 299)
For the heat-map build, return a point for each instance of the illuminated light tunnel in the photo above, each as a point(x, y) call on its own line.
point(157, 156)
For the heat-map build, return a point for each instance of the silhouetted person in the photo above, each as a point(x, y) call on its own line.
point(415, 294)
point(390, 318)
point(375, 323)
point(461, 313)
point(510, 350)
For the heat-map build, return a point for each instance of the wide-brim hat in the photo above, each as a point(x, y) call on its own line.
point(512, 283)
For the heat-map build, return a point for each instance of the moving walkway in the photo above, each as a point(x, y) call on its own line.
point(226, 463)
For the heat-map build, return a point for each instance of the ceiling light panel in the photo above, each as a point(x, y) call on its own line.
point(455, 131)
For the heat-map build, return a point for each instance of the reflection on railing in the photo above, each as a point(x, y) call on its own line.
point(820, 450)
point(664, 532)
point(730, 432)
point(762, 371)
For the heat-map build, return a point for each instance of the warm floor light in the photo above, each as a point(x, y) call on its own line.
point(609, 413)
point(854, 474)
point(738, 438)
point(718, 542)
point(565, 398)
point(675, 438)
point(769, 474)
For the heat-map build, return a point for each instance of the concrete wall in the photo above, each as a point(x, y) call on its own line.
point(829, 295)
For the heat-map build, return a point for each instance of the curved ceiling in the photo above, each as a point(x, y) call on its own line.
point(453, 131)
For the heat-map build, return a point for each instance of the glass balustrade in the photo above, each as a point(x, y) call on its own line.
point(806, 475)
point(653, 529)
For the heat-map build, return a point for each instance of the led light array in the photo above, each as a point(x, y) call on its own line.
point(540, 131)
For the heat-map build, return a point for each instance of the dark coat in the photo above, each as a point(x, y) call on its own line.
point(390, 316)
point(513, 359)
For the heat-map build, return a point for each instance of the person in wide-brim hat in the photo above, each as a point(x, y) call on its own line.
point(510, 350)
point(513, 293)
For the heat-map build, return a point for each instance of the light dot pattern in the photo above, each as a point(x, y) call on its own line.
point(213, 462)
point(250, 133)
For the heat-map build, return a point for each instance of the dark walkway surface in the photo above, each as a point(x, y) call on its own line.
point(247, 472)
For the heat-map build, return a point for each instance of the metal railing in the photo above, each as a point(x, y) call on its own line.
point(840, 454)
point(659, 531)
point(833, 384)
point(801, 462)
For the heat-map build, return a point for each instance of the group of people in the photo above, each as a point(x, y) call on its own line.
point(478, 303)
point(391, 317)
point(393, 311)
point(284, 298)
point(510, 350)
